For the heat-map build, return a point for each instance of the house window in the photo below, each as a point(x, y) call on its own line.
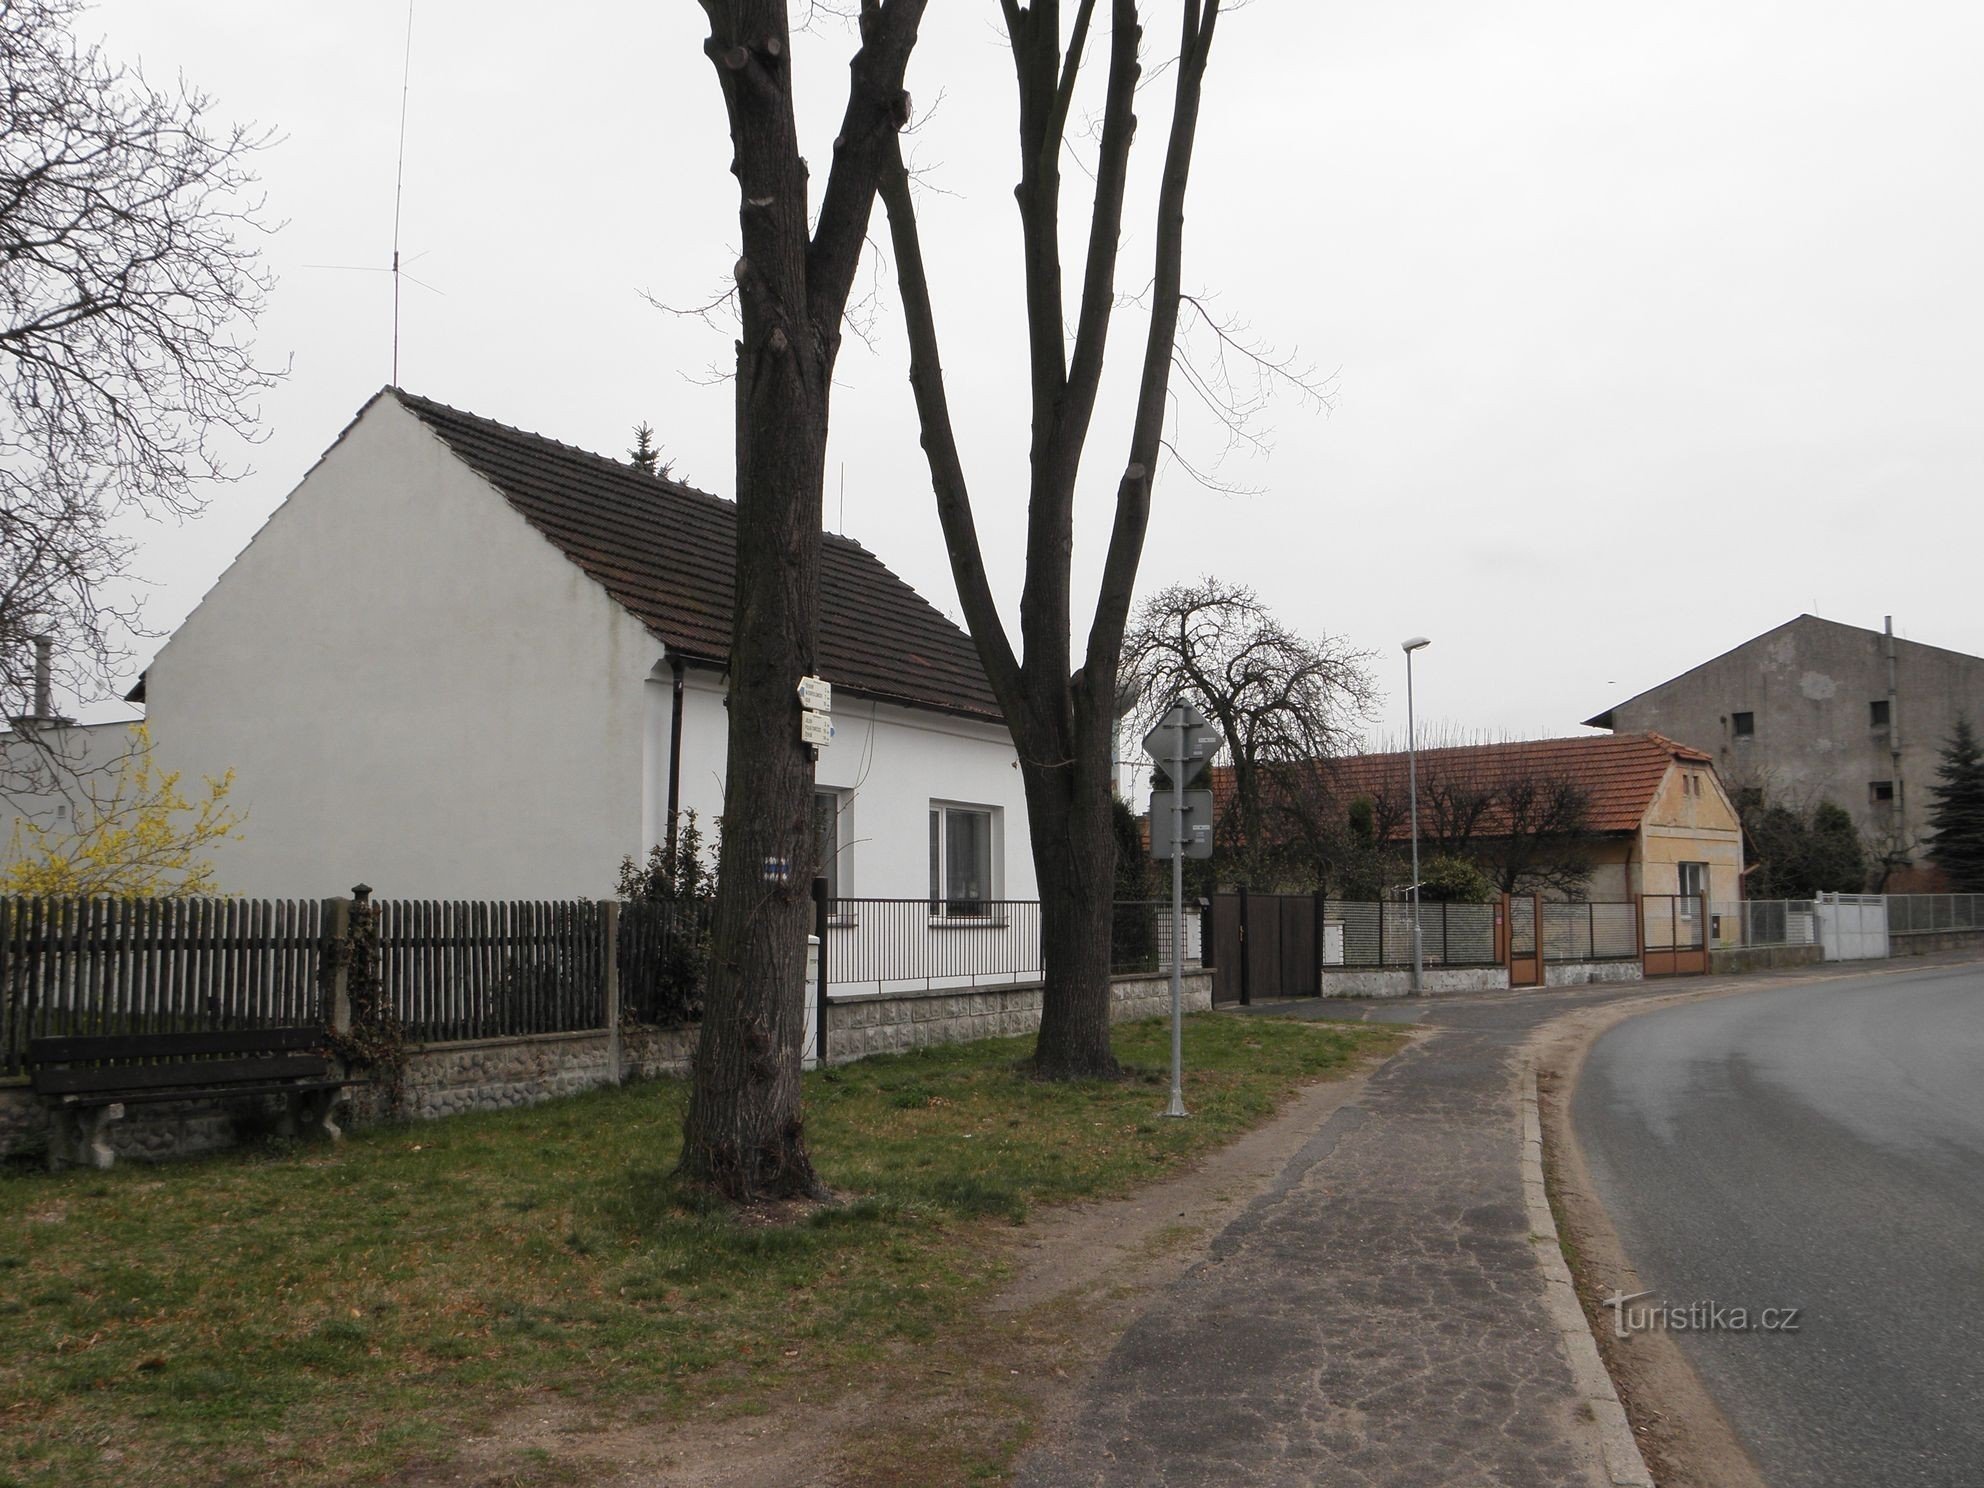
point(1693, 883)
point(826, 827)
point(1880, 792)
point(960, 860)
point(1742, 725)
point(1877, 713)
point(1749, 797)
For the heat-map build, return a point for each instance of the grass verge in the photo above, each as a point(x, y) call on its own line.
point(312, 1317)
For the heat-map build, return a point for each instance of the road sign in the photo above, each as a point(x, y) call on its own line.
point(1183, 731)
point(816, 728)
point(817, 694)
point(1165, 826)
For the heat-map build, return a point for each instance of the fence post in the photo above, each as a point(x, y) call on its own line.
point(334, 966)
point(1317, 918)
point(1246, 954)
point(609, 947)
point(820, 987)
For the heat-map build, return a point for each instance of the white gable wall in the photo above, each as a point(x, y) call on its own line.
point(414, 688)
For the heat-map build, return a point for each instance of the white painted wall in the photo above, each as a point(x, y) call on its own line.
point(887, 763)
point(51, 776)
point(414, 688)
point(418, 691)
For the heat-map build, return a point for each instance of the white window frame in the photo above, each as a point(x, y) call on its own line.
point(840, 884)
point(940, 898)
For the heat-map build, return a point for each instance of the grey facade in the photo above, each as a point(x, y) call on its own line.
point(1815, 710)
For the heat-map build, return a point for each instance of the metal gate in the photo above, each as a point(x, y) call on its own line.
point(1853, 927)
point(1674, 934)
point(1266, 947)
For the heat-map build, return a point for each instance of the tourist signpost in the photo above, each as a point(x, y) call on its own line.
point(1180, 828)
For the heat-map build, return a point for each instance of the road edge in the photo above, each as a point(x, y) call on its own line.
point(1621, 1453)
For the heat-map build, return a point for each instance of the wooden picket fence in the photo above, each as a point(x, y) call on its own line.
point(448, 970)
point(96, 965)
point(469, 970)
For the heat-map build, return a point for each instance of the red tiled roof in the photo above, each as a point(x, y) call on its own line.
point(667, 553)
point(1620, 772)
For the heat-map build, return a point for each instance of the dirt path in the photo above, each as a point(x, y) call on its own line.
point(1078, 1276)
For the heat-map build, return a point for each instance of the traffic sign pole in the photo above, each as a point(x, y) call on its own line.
point(1177, 1106)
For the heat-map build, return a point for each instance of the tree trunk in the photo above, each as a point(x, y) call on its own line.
point(1074, 859)
point(744, 1135)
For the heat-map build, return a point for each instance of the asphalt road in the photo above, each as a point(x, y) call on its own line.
point(1820, 1147)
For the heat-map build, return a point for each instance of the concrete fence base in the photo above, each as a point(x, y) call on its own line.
point(501, 1073)
point(1386, 981)
point(1738, 959)
point(1929, 942)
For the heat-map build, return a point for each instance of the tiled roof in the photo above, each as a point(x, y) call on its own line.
point(1621, 773)
point(666, 553)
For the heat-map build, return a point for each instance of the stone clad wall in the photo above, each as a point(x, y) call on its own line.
point(893, 1022)
point(496, 1074)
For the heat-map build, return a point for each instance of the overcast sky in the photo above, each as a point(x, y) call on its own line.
point(1648, 326)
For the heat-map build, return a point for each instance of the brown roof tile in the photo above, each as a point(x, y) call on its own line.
point(666, 553)
point(1621, 772)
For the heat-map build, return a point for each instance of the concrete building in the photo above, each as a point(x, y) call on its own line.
point(1816, 710)
point(464, 661)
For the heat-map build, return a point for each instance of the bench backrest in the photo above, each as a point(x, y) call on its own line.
point(115, 1048)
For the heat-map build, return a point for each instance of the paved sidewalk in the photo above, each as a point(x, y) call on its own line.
point(1377, 1316)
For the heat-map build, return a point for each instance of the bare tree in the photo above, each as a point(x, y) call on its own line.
point(1541, 838)
point(127, 269)
point(1061, 712)
point(1277, 697)
point(743, 1134)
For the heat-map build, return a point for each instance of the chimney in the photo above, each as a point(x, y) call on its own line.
point(44, 714)
point(44, 651)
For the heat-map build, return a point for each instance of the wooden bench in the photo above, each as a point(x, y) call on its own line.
point(88, 1080)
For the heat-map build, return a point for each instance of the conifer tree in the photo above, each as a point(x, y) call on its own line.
point(1956, 824)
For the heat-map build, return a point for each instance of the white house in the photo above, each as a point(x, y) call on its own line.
point(464, 661)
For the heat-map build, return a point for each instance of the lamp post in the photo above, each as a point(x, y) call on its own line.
point(1412, 776)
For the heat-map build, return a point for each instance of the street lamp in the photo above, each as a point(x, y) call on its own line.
point(1412, 775)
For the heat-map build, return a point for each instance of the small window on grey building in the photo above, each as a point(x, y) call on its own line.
point(1749, 797)
point(1742, 725)
point(1880, 792)
point(1877, 713)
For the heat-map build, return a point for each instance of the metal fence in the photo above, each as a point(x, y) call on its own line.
point(99, 965)
point(1367, 933)
point(1763, 922)
point(1590, 930)
point(1140, 936)
point(1919, 914)
point(899, 945)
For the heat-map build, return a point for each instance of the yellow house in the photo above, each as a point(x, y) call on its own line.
point(1651, 816)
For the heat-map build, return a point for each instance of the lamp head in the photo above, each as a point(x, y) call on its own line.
point(1415, 644)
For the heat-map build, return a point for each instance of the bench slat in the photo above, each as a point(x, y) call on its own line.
point(144, 1097)
point(83, 1048)
point(211, 1072)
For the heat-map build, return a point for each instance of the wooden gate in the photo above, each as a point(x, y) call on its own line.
point(1524, 914)
point(1674, 935)
point(1265, 947)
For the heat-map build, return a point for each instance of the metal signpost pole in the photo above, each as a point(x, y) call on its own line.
point(1177, 1106)
point(1412, 771)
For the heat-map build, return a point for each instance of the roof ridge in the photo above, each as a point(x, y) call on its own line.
point(619, 467)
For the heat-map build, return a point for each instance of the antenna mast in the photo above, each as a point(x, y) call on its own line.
point(399, 183)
